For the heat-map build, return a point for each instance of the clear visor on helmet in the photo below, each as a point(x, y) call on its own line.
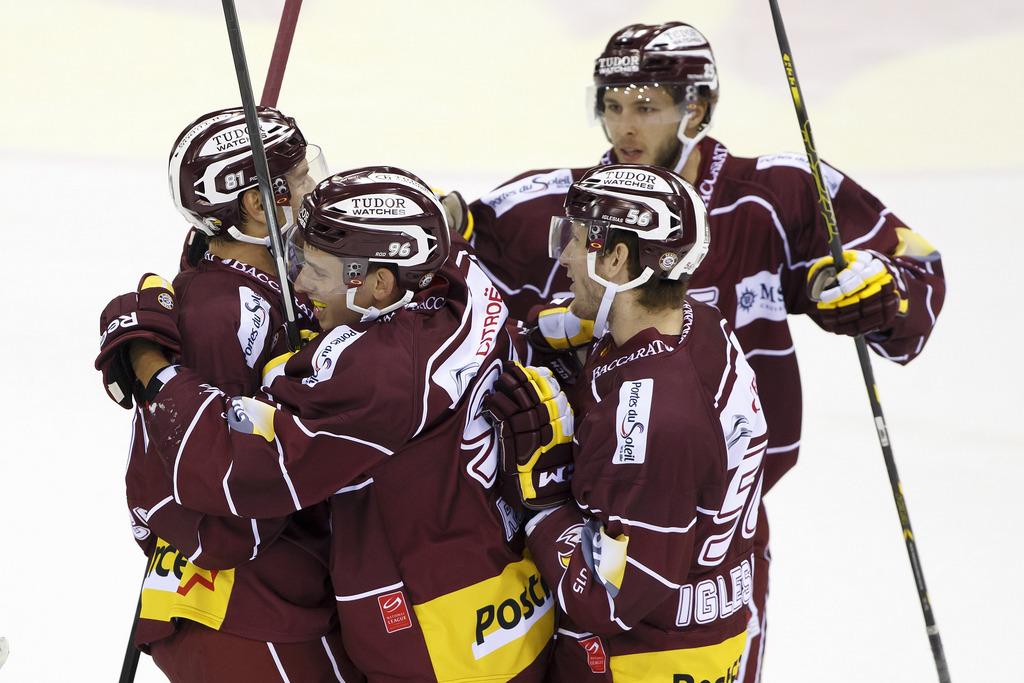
point(319, 274)
point(640, 103)
point(563, 231)
point(304, 176)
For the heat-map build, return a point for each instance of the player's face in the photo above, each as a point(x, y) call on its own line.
point(322, 280)
point(303, 176)
point(574, 259)
point(642, 123)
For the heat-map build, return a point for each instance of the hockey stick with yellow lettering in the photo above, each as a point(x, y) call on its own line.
point(836, 246)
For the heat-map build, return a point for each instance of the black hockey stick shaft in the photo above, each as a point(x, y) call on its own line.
point(836, 246)
point(262, 169)
point(282, 48)
point(131, 653)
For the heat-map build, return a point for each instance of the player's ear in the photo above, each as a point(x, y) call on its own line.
point(252, 206)
point(697, 110)
point(385, 287)
point(615, 263)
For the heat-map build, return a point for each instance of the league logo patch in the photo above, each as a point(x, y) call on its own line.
point(668, 261)
point(596, 658)
point(166, 301)
point(394, 611)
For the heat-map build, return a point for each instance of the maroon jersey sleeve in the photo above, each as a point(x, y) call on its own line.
point(335, 410)
point(231, 349)
point(208, 541)
point(865, 223)
point(510, 237)
point(633, 533)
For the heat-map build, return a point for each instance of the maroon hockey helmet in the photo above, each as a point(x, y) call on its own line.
point(660, 208)
point(376, 215)
point(211, 165)
point(674, 56)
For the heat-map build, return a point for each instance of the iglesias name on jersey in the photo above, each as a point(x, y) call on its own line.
point(653, 562)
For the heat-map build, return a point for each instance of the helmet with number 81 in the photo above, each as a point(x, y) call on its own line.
point(211, 166)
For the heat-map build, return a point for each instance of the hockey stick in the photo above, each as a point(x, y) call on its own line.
point(131, 653)
point(262, 170)
point(282, 48)
point(836, 246)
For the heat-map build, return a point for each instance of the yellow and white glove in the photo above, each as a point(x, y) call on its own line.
point(864, 297)
point(562, 329)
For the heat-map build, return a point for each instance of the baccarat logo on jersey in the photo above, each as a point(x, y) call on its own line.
point(759, 296)
point(632, 418)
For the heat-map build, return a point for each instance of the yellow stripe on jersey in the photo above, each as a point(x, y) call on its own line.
point(492, 630)
point(275, 368)
point(174, 587)
point(470, 225)
point(156, 281)
point(612, 564)
point(912, 244)
point(719, 662)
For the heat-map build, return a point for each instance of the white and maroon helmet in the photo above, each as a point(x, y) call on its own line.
point(377, 215)
point(211, 165)
point(660, 208)
point(673, 55)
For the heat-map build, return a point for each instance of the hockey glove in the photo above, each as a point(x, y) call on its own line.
point(561, 329)
point(149, 314)
point(535, 427)
point(865, 297)
point(460, 218)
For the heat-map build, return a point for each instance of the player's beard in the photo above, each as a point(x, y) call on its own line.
point(669, 156)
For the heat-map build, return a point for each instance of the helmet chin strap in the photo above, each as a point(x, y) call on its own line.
point(689, 144)
point(372, 313)
point(610, 290)
point(289, 222)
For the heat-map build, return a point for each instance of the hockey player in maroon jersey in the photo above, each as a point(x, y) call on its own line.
point(228, 598)
point(653, 560)
point(386, 402)
point(656, 88)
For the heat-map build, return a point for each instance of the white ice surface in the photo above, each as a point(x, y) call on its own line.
point(82, 222)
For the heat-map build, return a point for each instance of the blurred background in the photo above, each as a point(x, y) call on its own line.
point(919, 101)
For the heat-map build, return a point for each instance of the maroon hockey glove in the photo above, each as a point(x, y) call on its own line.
point(149, 314)
point(864, 297)
point(535, 423)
